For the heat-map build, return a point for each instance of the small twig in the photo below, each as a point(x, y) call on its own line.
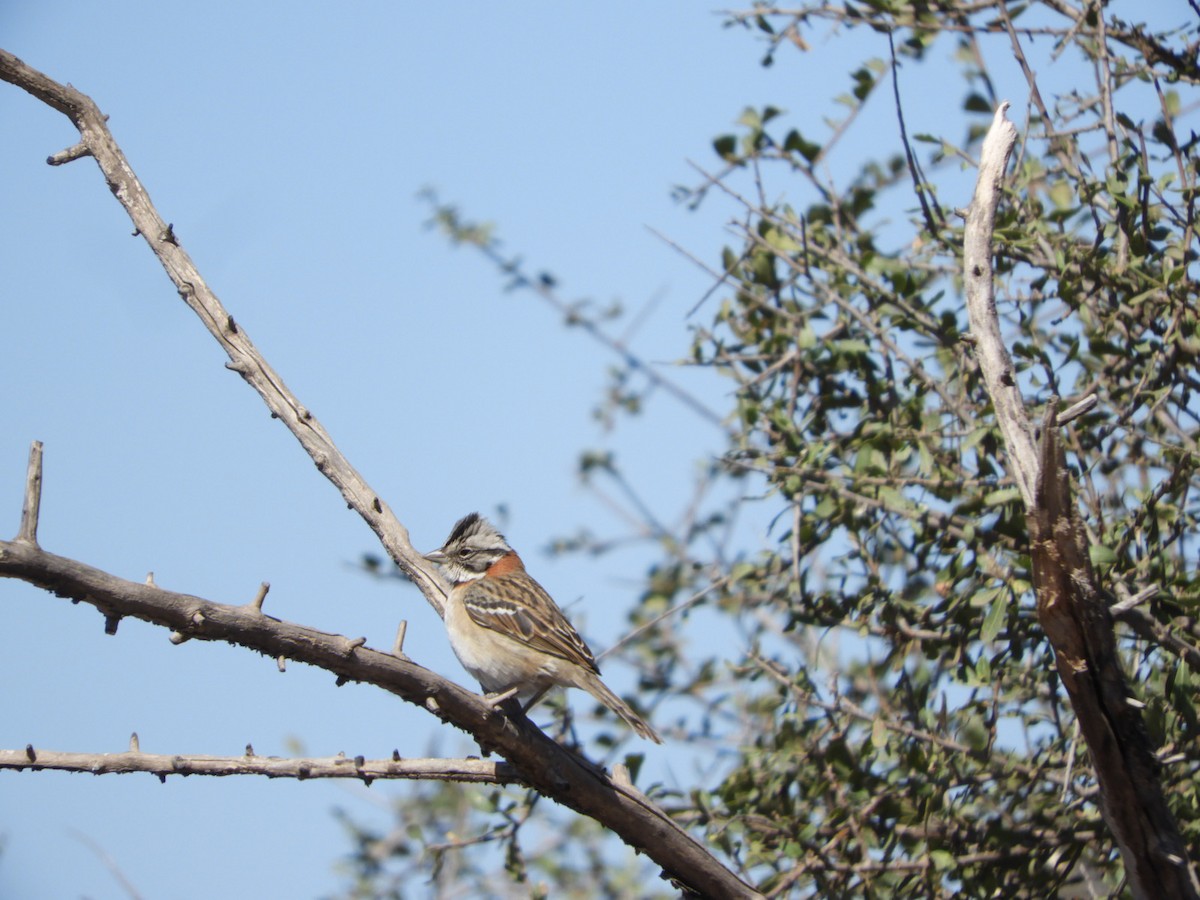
point(401, 631)
point(109, 863)
point(257, 602)
point(32, 505)
point(667, 613)
point(1071, 745)
point(1075, 410)
point(914, 168)
point(1136, 600)
point(62, 157)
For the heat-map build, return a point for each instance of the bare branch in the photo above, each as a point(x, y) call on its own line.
point(341, 766)
point(553, 771)
point(244, 357)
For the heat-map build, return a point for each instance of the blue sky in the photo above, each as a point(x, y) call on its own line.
point(288, 151)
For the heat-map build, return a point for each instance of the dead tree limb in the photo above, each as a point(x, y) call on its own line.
point(163, 765)
point(244, 358)
point(1071, 607)
point(536, 760)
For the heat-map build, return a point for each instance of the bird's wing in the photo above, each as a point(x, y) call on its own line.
point(517, 606)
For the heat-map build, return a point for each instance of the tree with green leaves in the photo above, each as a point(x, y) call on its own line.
point(898, 694)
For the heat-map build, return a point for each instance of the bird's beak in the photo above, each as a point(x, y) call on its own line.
point(437, 557)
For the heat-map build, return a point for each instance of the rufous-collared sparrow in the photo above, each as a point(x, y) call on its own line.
point(507, 631)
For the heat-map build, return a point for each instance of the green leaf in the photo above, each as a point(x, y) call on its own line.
point(879, 733)
point(996, 616)
point(726, 147)
point(943, 860)
point(1002, 496)
point(977, 103)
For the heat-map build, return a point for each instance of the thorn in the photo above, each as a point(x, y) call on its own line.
point(257, 602)
point(134, 743)
point(150, 579)
point(250, 750)
point(168, 235)
point(431, 704)
point(398, 647)
point(29, 754)
point(231, 325)
point(396, 756)
point(620, 775)
point(198, 618)
point(1136, 704)
point(281, 661)
point(377, 506)
point(178, 637)
point(340, 680)
point(359, 761)
point(111, 622)
point(355, 644)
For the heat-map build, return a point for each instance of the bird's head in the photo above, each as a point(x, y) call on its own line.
point(473, 547)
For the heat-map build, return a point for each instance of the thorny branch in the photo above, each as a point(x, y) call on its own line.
point(537, 761)
point(244, 358)
point(163, 765)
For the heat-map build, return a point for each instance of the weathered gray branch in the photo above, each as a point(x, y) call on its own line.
point(999, 374)
point(244, 358)
point(537, 760)
point(1071, 608)
point(162, 765)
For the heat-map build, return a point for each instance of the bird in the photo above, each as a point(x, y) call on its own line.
point(507, 631)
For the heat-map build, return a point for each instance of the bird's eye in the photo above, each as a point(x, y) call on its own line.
point(466, 552)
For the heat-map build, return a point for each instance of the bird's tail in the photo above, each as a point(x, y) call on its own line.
point(594, 686)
